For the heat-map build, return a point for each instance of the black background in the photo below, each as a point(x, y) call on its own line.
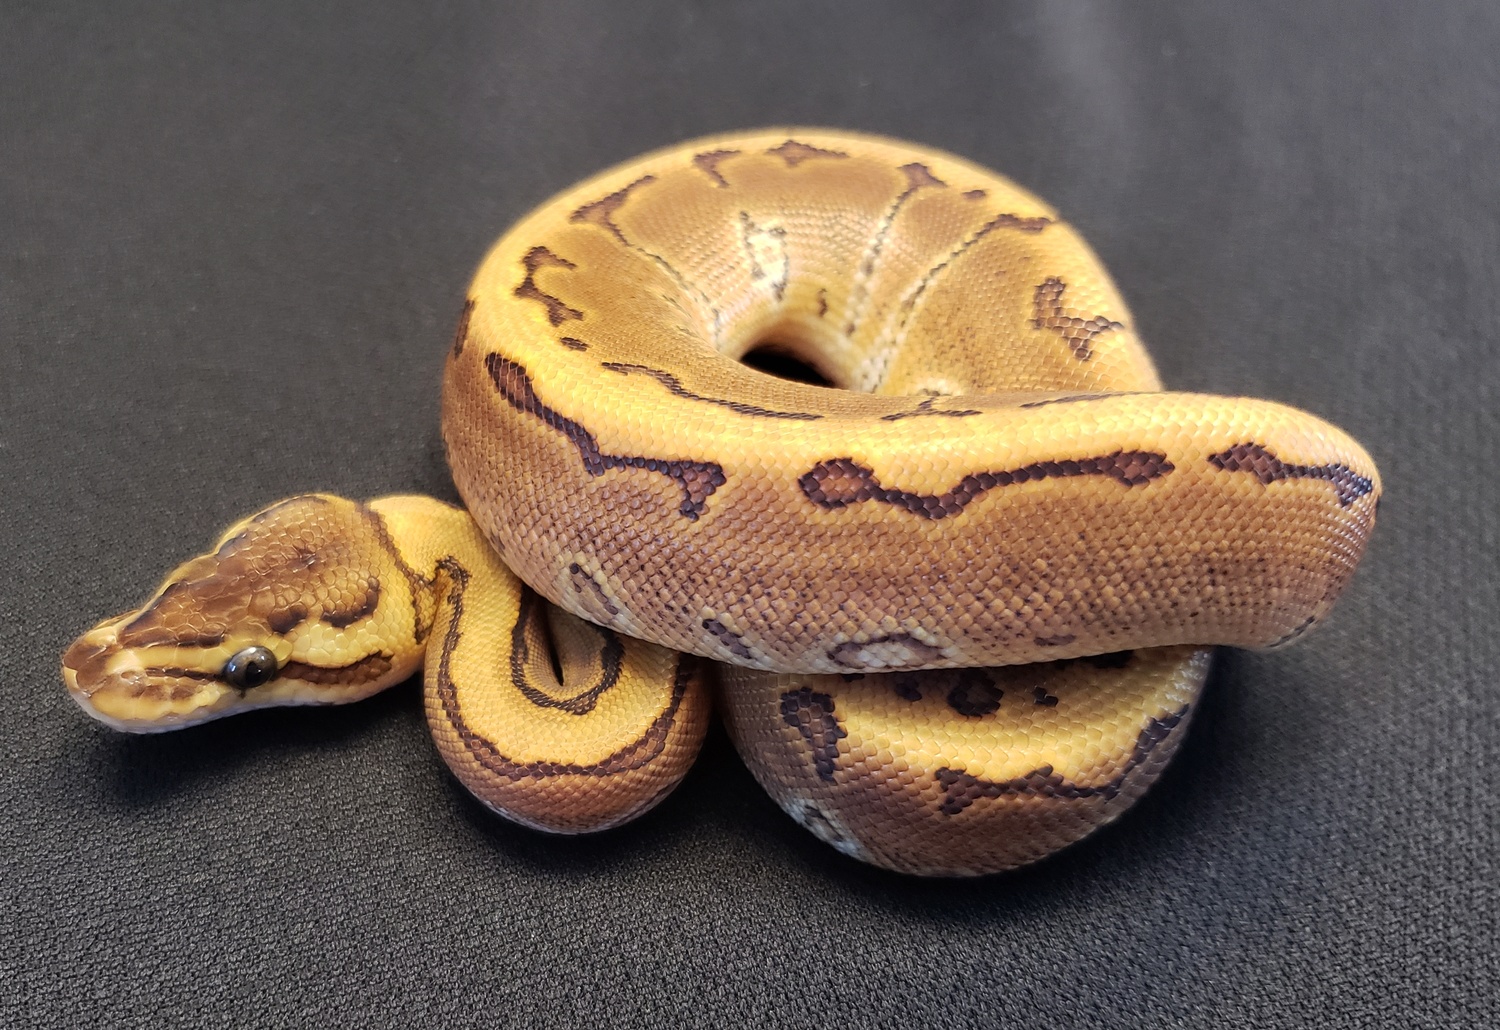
point(233, 245)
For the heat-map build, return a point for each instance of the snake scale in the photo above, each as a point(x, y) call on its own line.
point(960, 599)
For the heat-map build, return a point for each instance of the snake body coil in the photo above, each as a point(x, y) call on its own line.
point(963, 598)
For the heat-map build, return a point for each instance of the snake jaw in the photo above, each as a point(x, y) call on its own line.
point(153, 690)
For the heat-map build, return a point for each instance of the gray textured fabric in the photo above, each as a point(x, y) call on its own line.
point(233, 242)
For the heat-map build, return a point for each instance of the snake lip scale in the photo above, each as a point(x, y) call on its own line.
point(957, 605)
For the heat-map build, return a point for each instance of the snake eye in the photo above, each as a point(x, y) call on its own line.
point(250, 668)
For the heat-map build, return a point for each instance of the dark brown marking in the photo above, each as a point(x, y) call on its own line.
point(538, 258)
point(461, 334)
point(419, 587)
point(1077, 397)
point(1348, 485)
point(339, 618)
point(89, 661)
point(960, 789)
point(1041, 697)
point(926, 408)
point(1004, 220)
point(283, 620)
point(611, 662)
point(1061, 640)
point(975, 694)
point(822, 302)
point(602, 211)
point(159, 635)
point(582, 579)
point(366, 670)
point(908, 688)
point(794, 152)
point(847, 652)
point(708, 164)
point(698, 479)
point(675, 387)
point(149, 629)
point(1078, 332)
point(843, 481)
point(918, 176)
point(639, 752)
point(810, 713)
point(975, 195)
point(735, 642)
point(573, 343)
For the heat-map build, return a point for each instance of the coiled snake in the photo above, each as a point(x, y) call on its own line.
point(963, 599)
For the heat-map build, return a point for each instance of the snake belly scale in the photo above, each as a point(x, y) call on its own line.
point(959, 603)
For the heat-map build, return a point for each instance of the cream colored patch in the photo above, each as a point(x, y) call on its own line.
point(766, 247)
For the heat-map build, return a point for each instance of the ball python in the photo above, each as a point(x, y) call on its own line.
point(959, 594)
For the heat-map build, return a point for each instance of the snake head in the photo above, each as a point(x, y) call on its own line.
point(290, 608)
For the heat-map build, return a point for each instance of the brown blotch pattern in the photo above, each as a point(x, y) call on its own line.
point(366, 670)
point(340, 618)
point(1004, 220)
point(292, 561)
point(794, 153)
point(583, 582)
point(926, 408)
point(917, 175)
point(843, 481)
point(1348, 485)
point(538, 258)
point(602, 211)
point(1077, 397)
point(573, 343)
point(730, 639)
point(675, 387)
point(1078, 332)
point(810, 713)
point(961, 789)
point(708, 164)
point(975, 694)
point(1061, 640)
point(698, 479)
point(283, 620)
